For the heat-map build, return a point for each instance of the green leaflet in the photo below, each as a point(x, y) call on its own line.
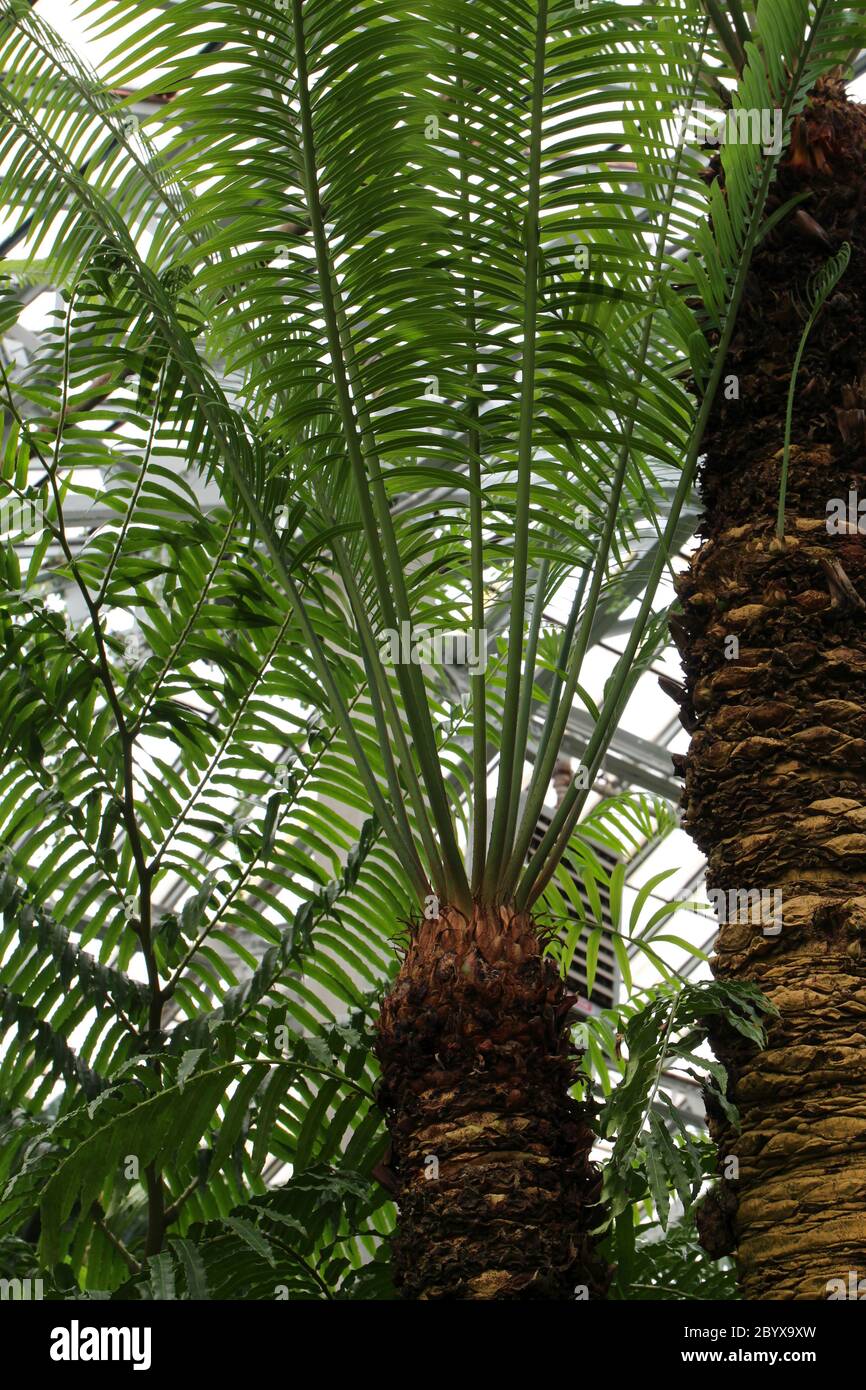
point(820, 285)
point(651, 1146)
point(170, 1120)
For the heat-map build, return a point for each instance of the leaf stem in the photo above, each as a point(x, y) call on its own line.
point(499, 848)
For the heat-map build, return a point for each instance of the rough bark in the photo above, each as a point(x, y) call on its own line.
point(776, 774)
point(490, 1153)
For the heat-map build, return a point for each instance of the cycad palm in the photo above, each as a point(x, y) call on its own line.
point(371, 215)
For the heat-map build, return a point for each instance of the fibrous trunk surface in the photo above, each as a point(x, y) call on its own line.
point(490, 1151)
point(776, 774)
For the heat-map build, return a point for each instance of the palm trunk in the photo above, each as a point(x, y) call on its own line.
point(489, 1151)
point(776, 774)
